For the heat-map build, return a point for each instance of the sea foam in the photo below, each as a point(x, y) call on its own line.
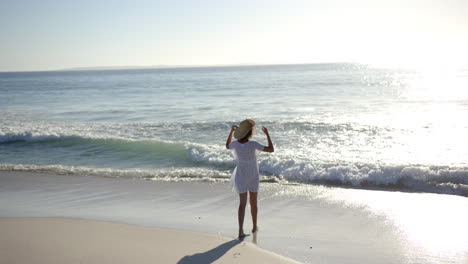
point(214, 162)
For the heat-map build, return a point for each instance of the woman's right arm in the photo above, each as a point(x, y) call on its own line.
point(228, 141)
point(270, 147)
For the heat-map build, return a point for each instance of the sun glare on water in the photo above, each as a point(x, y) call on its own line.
point(438, 85)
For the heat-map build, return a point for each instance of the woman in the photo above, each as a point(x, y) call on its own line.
point(245, 177)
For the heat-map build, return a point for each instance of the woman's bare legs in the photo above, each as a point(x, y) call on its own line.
point(241, 213)
point(253, 210)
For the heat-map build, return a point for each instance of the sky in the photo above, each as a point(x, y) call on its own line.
point(58, 34)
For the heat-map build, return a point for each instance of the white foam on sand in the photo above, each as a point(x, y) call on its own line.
point(311, 224)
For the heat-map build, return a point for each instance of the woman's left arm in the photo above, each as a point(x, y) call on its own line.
point(228, 141)
point(270, 147)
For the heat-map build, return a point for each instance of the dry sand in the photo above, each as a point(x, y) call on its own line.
point(65, 240)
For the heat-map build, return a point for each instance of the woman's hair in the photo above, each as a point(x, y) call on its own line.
point(249, 135)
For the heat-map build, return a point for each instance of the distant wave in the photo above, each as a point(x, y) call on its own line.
point(32, 137)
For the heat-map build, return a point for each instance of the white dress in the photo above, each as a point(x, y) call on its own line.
point(245, 176)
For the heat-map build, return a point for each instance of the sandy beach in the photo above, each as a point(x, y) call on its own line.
point(62, 240)
point(180, 221)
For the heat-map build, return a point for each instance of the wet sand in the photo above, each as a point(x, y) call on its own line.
point(310, 224)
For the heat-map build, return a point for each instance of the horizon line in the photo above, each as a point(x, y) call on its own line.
point(175, 66)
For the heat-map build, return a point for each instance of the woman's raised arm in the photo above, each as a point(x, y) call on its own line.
point(270, 147)
point(228, 141)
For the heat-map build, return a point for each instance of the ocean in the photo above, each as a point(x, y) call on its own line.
point(346, 125)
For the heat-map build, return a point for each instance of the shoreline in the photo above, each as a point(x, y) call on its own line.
point(67, 240)
point(78, 171)
point(309, 224)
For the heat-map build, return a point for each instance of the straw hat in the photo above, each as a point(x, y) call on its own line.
point(244, 128)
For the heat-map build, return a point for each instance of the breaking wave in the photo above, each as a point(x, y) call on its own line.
point(214, 163)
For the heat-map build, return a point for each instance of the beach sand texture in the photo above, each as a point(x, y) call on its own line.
point(63, 240)
point(309, 224)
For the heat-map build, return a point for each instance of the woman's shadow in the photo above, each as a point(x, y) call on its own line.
point(211, 255)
